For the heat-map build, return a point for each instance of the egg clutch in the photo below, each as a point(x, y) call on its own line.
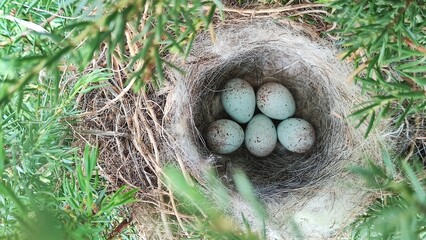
point(274, 102)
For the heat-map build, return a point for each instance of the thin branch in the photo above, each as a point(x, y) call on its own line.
point(414, 46)
point(274, 10)
point(310, 12)
point(126, 222)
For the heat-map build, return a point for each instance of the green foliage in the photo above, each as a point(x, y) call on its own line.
point(41, 194)
point(81, 210)
point(209, 206)
point(36, 39)
point(48, 192)
point(400, 212)
point(386, 40)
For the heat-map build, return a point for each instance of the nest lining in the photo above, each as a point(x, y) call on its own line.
point(268, 52)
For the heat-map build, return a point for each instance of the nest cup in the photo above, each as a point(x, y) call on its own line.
point(261, 52)
point(138, 134)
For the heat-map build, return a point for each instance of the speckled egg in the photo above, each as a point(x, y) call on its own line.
point(239, 100)
point(261, 136)
point(275, 101)
point(224, 136)
point(296, 135)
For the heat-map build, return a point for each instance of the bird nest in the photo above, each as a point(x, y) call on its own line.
point(152, 128)
point(264, 52)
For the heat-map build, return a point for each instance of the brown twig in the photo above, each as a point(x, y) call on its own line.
point(414, 46)
point(309, 12)
point(273, 10)
point(126, 222)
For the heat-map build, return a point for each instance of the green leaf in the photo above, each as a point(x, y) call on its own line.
point(371, 123)
point(417, 69)
point(100, 199)
point(374, 175)
point(383, 49)
point(411, 64)
point(246, 223)
point(118, 199)
point(7, 192)
point(117, 33)
point(90, 157)
point(365, 109)
point(186, 192)
point(219, 191)
point(80, 177)
point(384, 111)
point(407, 109)
point(390, 167)
point(418, 187)
point(188, 48)
point(410, 34)
point(362, 120)
point(246, 190)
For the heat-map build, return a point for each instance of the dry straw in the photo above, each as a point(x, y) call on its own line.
point(167, 125)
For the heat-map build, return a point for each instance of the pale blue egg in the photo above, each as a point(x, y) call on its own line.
point(261, 136)
point(239, 100)
point(275, 101)
point(296, 135)
point(224, 136)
